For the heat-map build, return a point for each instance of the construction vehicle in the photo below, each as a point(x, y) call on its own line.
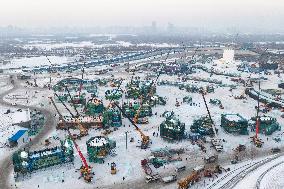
point(143, 120)
point(145, 140)
point(85, 169)
point(152, 178)
point(257, 141)
point(113, 168)
point(180, 168)
point(216, 142)
point(82, 129)
point(208, 173)
point(189, 180)
point(169, 179)
point(275, 150)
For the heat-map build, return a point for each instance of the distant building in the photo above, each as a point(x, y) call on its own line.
point(19, 138)
point(24, 77)
point(228, 55)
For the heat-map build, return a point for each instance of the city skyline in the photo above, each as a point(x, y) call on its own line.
point(245, 16)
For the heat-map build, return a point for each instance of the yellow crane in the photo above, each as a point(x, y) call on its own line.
point(190, 179)
point(145, 140)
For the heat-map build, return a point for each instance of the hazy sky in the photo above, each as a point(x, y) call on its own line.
point(201, 13)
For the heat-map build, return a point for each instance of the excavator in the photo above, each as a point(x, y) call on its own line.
point(145, 139)
point(86, 170)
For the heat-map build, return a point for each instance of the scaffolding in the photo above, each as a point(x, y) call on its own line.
point(98, 148)
point(112, 118)
point(234, 123)
point(114, 94)
point(202, 126)
point(26, 162)
point(267, 125)
point(136, 88)
point(131, 109)
point(94, 106)
point(172, 129)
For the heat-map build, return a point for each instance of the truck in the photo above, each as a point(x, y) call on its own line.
point(180, 168)
point(217, 143)
point(169, 179)
point(152, 178)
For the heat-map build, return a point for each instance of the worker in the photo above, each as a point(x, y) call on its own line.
point(153, 133)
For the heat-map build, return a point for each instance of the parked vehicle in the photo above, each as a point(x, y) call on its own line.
point(275, 150)
point(169, 179)
point(180, 168)
point(152, 178)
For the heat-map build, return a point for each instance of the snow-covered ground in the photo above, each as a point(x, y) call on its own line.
point(268, 176)
point(128, 160)
point(35, 61)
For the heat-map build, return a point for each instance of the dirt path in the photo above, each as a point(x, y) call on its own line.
point(6, 165)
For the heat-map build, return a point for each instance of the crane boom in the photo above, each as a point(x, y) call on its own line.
point(69, 133)
point(213, 125)
point(149, 91)
point(145, 138)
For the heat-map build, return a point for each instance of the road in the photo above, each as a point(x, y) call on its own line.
point(6, 163)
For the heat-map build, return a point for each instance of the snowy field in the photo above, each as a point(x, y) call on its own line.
point(35, 61)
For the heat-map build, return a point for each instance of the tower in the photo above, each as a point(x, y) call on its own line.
point(228, 55)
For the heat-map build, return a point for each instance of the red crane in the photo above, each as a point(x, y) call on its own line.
point(85, 169)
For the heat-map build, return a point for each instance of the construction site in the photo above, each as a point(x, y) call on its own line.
point(123, 111)
point(159, 128)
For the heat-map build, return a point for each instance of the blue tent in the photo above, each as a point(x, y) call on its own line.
point(17, 136)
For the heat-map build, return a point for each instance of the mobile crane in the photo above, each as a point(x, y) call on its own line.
point(85, 168)
point(82, 129)
point(217, 143)
point(145, 139)
point(255, 139)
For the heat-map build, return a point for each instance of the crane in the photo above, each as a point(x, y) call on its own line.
point(81, 84)
point(258, 143)
point(150, 90)
point(190, 179)
point(215, 141)
point(145, 139)
point(85, 168)
point(82, 129)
